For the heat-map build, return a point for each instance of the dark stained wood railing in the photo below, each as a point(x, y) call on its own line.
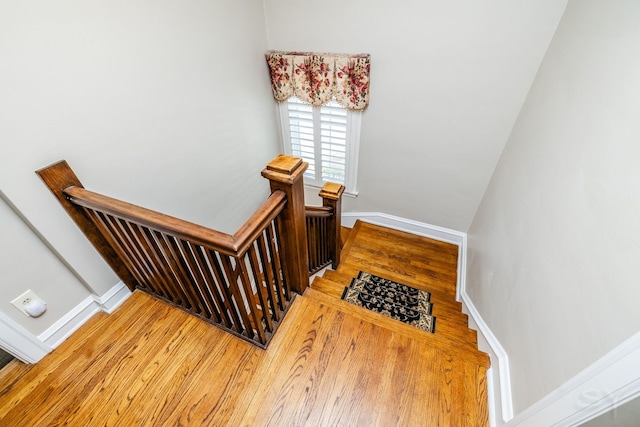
point(317, 240)
point(242, 283)
point(323, 229)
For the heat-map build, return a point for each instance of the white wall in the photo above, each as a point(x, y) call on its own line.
point(165, 104)
point(554, 246)
point(448, 79)
point(29, 264)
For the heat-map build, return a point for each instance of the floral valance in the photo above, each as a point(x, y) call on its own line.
point(316, 78)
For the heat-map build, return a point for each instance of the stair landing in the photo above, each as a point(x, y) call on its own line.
point(416, 261)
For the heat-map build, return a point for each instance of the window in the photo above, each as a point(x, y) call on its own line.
point(325, 137)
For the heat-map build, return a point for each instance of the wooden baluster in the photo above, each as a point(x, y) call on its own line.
point(115, 230)
point(223, 288)
point(285, 173)
point(154, 238)
point(198, 280)
point(259, 278)
point(237, 302)
point(311, 242)
point(211, 286)
point(270, 281)
point(282, 287)
point(331, 195)
point(250, 300)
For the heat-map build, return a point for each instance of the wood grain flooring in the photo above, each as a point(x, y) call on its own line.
point(149, 364)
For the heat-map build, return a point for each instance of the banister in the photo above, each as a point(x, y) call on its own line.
point(266, 213)
point(323, 228)
point(242, 283)
point(227, 244)
point(318, 211)
point(285, 173)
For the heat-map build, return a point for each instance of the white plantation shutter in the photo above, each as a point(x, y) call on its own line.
point(326, 137)
point(302, 135)
point(333, 142)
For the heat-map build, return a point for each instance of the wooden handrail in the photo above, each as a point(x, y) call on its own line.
point(233, 245)
point(241, 282)
point(318, 211)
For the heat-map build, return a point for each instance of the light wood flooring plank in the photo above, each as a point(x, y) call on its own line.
point(150, 364)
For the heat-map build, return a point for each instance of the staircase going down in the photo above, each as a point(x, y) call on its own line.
point(412, 260)
point(425, 264)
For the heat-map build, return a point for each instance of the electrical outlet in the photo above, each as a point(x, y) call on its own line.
point(25, 299)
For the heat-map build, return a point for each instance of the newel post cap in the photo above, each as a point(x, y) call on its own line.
point(286, 169)
point(331, 191)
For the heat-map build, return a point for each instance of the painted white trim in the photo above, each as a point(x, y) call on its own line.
point(113, 298)
point(21, 343)
point(78, 316)
point(611, 381)
point(55, 334)
point(354, 120)
point(499, 374)
point(404, 224)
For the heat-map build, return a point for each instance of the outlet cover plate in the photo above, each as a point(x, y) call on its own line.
point(25, 299)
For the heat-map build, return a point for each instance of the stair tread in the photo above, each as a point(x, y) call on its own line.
point(347, 271)
point(444, 343)
point(413, 260)
point(442, 303)
point(454, 330)
point(348, 243)
point(354, 264)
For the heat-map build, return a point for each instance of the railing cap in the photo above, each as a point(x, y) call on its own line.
point(332, 191)
point(283, 168)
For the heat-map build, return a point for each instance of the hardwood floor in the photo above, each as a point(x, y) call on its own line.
point(330, 363)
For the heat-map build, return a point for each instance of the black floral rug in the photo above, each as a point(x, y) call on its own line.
point(392, 299)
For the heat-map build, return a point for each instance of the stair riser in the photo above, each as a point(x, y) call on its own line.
point(442, 340)
point(442, 299)
point(445, 327)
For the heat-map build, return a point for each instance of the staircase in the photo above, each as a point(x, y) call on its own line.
point(341, 364)
point(330, 363)
point(415, 261)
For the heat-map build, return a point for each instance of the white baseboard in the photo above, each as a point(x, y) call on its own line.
point(404, 224)
point(21, 343)
point(606, 384)
point(113, 298)
point(70, 322)
point(498, 377)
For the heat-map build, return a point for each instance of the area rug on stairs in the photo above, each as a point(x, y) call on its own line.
point(391, 299)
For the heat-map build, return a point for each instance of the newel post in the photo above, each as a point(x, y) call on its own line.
point(331, 195)
point(285, 173)
point(59, 176)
